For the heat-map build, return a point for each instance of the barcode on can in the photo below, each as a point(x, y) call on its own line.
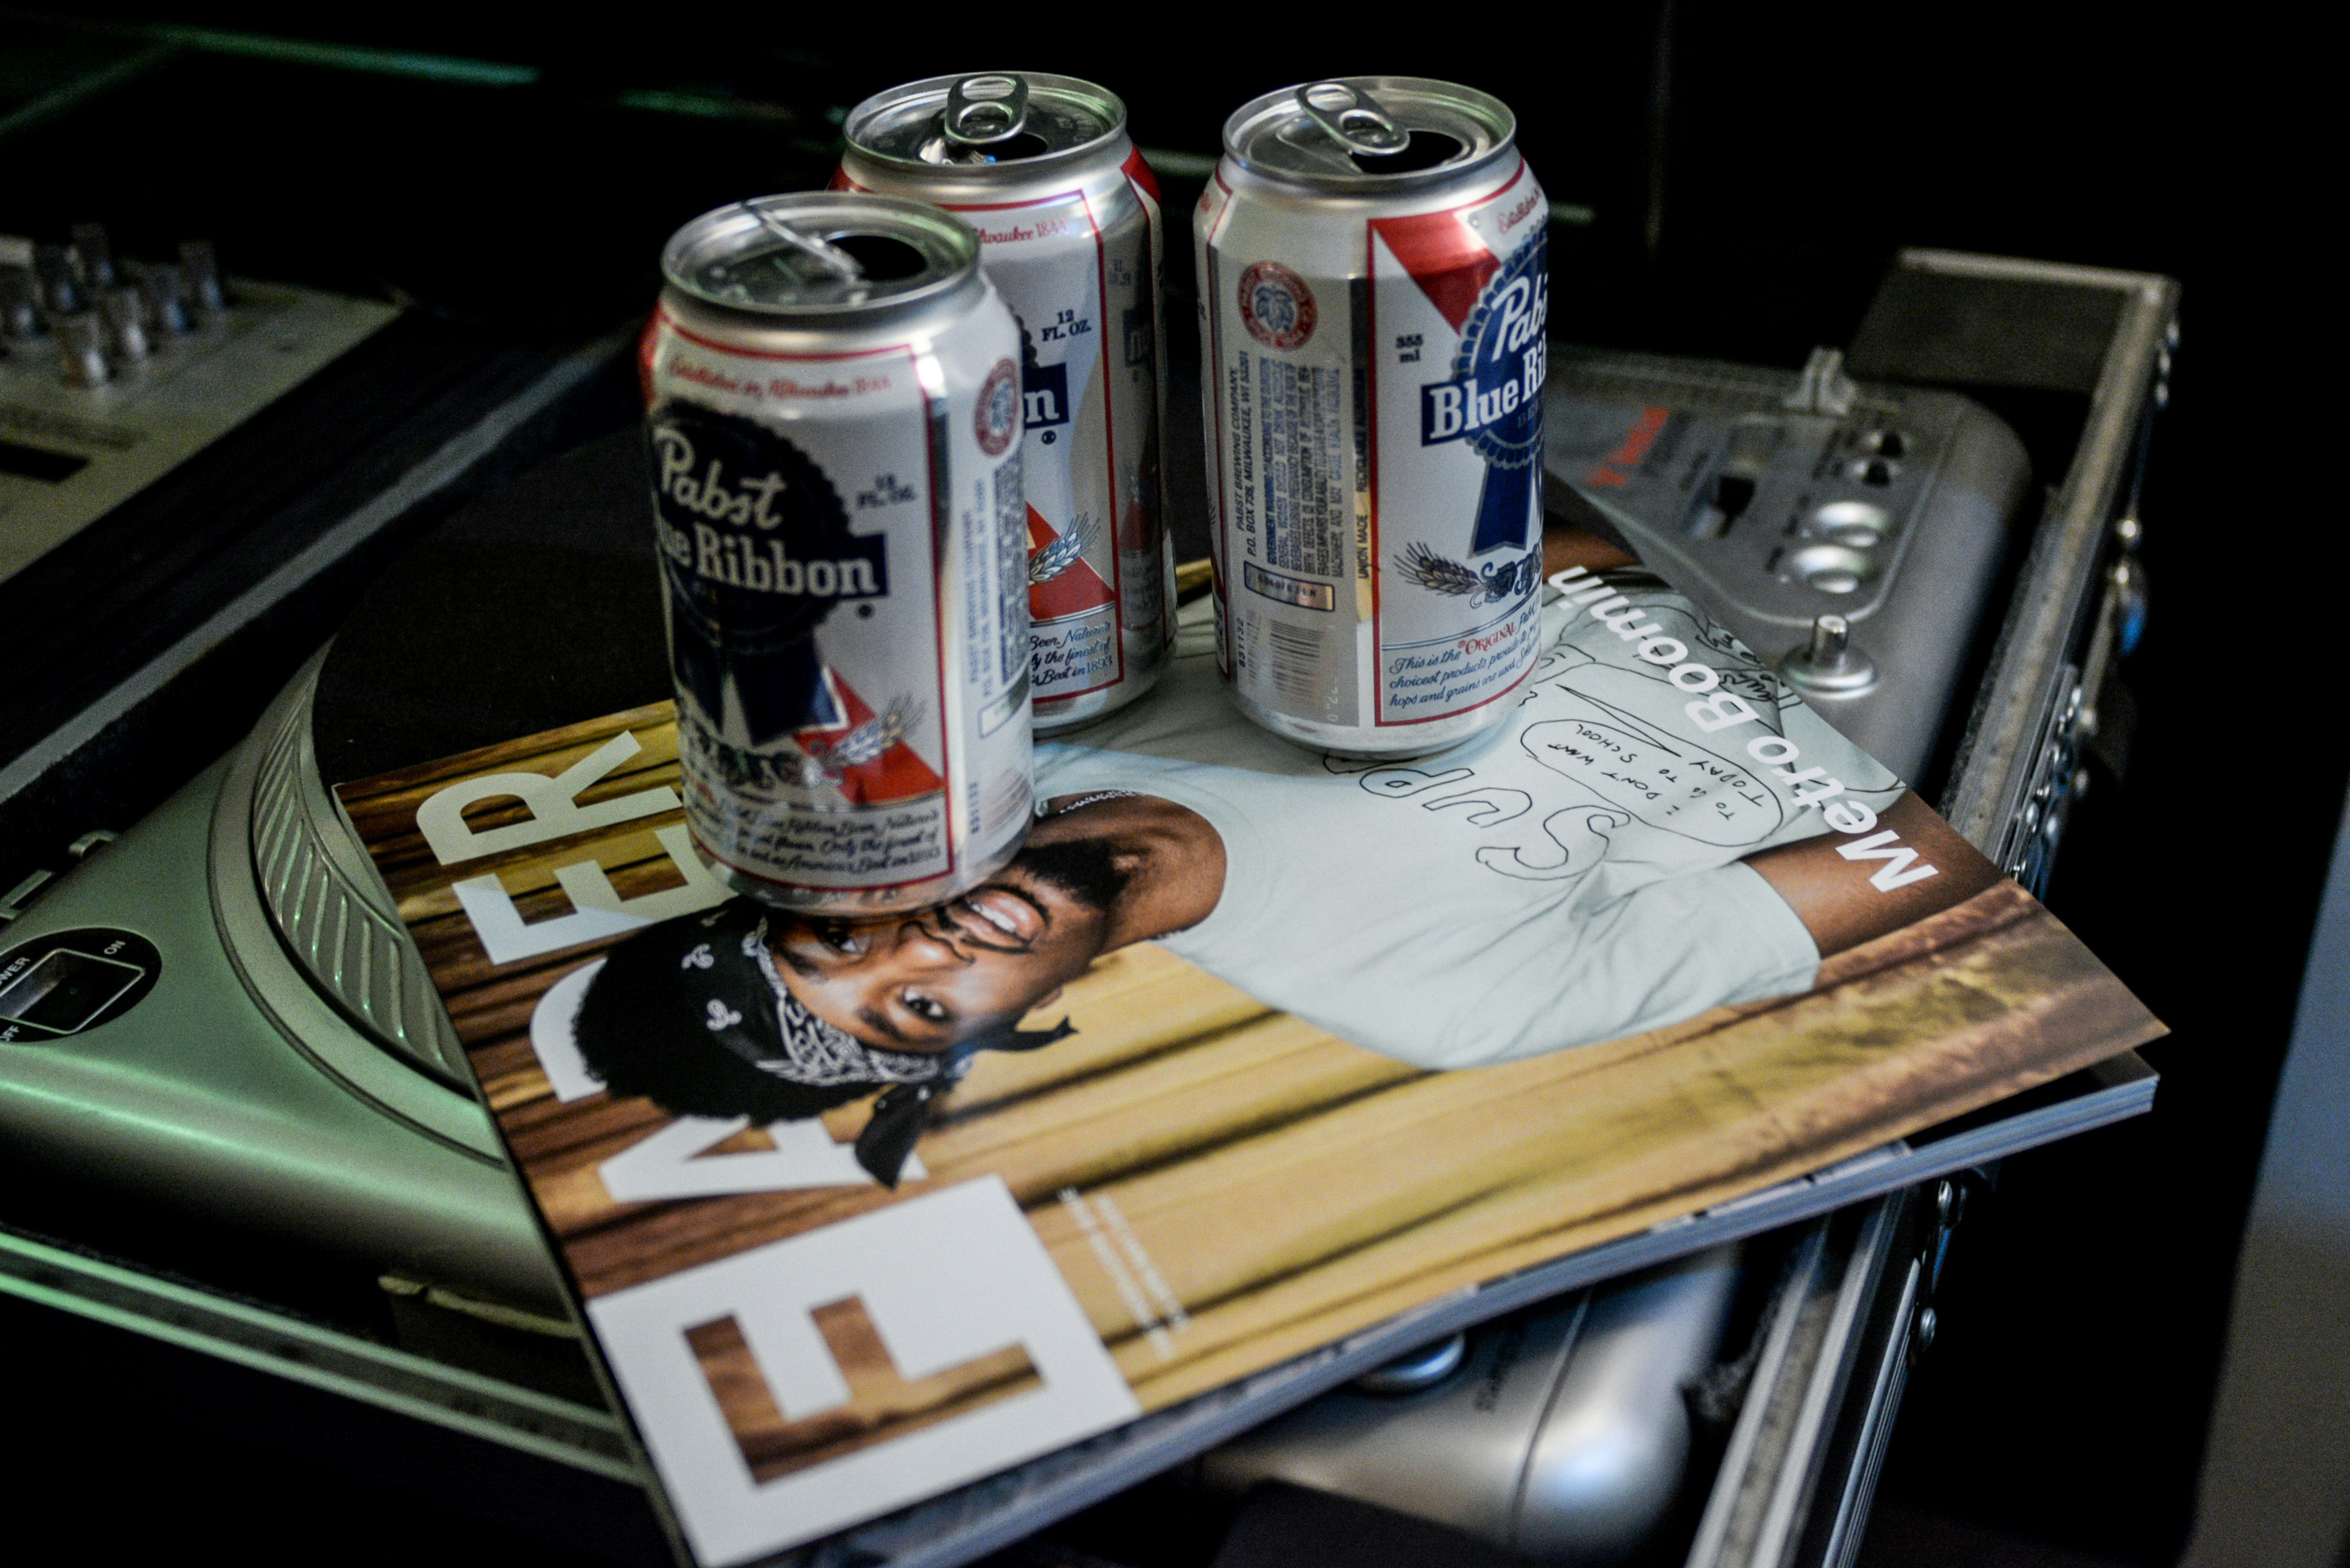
point(1297, 660)
point(1294, 660)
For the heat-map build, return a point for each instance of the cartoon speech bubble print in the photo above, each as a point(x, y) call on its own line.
point(1679, 787)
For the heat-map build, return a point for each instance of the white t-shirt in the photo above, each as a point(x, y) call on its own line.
point(1569, 877)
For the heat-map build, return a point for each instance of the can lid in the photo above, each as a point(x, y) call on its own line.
point(975, 118)
point(821, 254)
point(1369, 133)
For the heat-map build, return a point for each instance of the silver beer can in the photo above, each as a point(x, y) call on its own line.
point(1067, 214)
point(1374, 287)
point(833, 402)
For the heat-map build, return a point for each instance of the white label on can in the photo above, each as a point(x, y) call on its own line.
point(1087, 303)
point(1375, 434)
point(840, 546)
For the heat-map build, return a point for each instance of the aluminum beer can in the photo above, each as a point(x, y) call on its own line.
point(833, 402)
point(1069, 220)
point(1374, 286)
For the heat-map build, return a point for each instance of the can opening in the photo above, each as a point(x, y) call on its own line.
point(983, 110)
point(820, 252)
point(1357, 134)
point(1426, 150)
point(1011, 148)
point(1352, 117)
point(973, 122)
point(884, 259)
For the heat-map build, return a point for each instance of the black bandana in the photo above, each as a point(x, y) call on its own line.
point(711, 977)
point(788, 1041)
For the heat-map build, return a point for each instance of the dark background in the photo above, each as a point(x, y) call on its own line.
point(1749, 170)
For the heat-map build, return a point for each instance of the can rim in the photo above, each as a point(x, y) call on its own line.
point(694, 245)
point(1500, 121)
point(933, 90)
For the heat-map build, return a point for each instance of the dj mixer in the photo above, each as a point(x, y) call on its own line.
point(111, 384)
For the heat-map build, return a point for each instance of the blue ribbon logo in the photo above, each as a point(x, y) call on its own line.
point(1493, 400)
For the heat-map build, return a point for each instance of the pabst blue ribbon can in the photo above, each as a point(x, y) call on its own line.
point(1067, 215)
point(833, 402)
point(1374, 286)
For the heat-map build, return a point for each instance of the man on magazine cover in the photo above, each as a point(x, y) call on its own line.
point(1612, 859)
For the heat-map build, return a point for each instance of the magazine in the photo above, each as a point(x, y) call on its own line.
point(1247, 1051)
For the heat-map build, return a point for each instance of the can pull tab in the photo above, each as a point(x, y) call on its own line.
point(825, 254)
point(1355, 120)
point(984, 110)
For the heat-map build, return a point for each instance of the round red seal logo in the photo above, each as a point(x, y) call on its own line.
point(1277, 307)
point(996, 420)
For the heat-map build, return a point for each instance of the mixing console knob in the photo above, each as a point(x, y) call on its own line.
point(167, 299)
point(203, 270)
point(81, 346)
point(94, 253)
point(20, 306)
point(53, 272)
point(1829, 665)
point(126, 322)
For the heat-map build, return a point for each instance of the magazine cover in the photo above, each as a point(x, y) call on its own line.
point(1248, 1048)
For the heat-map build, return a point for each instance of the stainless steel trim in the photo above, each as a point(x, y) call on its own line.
point(1756, 1513)
point(1892, 1379)
point(1993, 771)
point(1750, 1438)
point(1824, 1392)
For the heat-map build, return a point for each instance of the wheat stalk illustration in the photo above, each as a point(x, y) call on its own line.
point(1062, 553)
point(868, 742)
point(1436, 573)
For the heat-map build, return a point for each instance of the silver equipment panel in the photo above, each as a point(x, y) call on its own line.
point(74, 446)
point(1850, 534)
